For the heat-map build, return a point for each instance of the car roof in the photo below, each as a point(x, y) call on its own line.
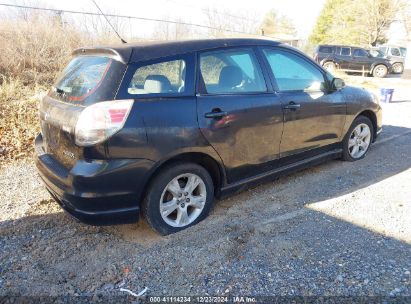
point(143, 51)
point(341, 45)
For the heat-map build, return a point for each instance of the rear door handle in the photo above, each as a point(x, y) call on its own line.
point(292, 106)
point(217, 114)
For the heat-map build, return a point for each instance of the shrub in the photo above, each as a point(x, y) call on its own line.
point(33, 49)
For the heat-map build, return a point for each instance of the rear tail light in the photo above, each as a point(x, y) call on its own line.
point(100, 121)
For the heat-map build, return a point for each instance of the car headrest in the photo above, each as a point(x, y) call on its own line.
point(230, 76)
point(157, 84)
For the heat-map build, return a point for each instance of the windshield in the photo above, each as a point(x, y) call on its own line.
point(377, 53)
point(82, 77)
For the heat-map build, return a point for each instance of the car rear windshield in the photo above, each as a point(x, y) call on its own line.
point(82, 77)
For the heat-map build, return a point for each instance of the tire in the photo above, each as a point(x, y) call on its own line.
point(194, 203)
point(398, 68)
point(360, 123)
point(329, 66)
point(380, 71)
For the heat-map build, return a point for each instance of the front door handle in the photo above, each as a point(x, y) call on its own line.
point(216, 114)
point(292, 106)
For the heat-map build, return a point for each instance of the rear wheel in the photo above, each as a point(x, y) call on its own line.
point(358, 139)
point(329, 66)
point(180, 196)
point(380, 71)
point(398, 68)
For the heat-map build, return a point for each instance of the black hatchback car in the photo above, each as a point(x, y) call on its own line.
point(162, 129)
point(351, 59)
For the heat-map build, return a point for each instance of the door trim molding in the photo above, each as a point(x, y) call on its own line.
point(275, 173)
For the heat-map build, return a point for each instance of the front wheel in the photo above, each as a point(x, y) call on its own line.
point(358, 139)
point(380, 71)
point(181, 195)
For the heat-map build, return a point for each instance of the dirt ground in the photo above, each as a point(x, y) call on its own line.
point(339, 228)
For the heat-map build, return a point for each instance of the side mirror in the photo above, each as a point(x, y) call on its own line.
point(337, 84)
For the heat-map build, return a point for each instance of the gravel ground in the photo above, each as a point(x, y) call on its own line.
point(336, 229)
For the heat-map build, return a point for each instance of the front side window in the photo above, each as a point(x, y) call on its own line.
point(383, 49)
point(360, 53)
point(160, 78)
point(231, 71)
point(345, 51)
point(293, 73)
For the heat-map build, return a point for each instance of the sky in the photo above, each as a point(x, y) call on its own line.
point(302, 13)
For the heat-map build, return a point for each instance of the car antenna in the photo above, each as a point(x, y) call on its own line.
point(122, 40)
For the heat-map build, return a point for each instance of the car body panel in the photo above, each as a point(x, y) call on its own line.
point(107, 182)
point(349, 63)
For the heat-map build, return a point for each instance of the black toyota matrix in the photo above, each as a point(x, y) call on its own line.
point(161, 129)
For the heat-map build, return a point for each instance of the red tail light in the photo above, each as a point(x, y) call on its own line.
point(100, 121)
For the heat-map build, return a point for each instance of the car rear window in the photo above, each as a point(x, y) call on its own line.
point(345, 51)
point(82, 77)
point(326, 49)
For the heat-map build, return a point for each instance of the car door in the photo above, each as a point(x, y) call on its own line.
point(361, 60)
point(344, 58)
point(237, 111)
point(313, 116)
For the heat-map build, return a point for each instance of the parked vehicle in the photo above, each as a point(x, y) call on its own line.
point(351, 59)
point(396, 56)
point(164, 128)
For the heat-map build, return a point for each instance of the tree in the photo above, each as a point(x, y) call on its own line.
point(274, 24)
point(364, 22)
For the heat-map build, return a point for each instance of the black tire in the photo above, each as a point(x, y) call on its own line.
point(380, 71)
point(398, 68)
point(346, 149)
point(151, 203)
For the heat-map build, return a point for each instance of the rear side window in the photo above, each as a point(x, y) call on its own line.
point(231, 71)
point(326, 49)
point(82, 77)
point(166, 77)
point(293, 73)
point(345, 51)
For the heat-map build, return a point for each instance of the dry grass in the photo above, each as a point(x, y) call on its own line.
point(19, 119)
point(32, 52)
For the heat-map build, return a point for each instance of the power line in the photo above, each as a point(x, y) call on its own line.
point(205, 10)
point(130, 17)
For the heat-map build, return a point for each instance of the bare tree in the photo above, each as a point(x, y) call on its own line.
point(275, 24)
point(173, 31)
point(225, 23)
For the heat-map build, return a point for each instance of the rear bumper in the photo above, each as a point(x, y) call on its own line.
point(96, 192)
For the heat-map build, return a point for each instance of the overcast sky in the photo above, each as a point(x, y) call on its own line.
point(302, 13)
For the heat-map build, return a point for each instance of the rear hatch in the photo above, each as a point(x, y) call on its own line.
point(87, 80)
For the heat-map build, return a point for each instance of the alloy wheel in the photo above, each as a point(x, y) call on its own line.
point(380, 71)
point(183, 200)
point(359, 140)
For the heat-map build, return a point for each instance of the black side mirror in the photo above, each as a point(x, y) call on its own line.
point(337, 84)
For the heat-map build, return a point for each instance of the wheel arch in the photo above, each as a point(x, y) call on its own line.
point(377, 64)
point(371, 116)
point(215, 169)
